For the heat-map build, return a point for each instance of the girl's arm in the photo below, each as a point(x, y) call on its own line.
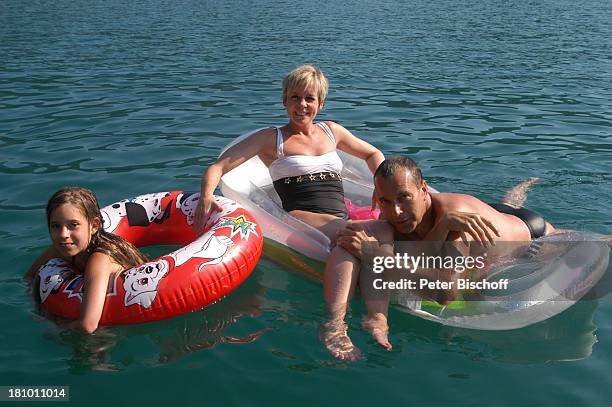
point(99, 268)
point(357, 147)
point(44, 257)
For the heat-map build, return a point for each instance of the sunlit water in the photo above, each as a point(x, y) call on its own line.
point(135, 97)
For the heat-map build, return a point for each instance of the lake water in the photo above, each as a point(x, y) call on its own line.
point(134, 97)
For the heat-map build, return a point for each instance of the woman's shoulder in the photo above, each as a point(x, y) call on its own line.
point(332, 125)
point(339, 131)
point(264, 137)
point(259, 142)
point(265, 132)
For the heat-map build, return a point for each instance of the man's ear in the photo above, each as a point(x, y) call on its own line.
point(374, 200)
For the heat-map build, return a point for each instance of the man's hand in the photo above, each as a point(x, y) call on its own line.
point(353, 237)
point(478, 227)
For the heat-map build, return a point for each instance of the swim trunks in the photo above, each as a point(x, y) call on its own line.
point(534, 221)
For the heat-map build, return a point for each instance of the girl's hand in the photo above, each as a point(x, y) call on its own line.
point(206, 206)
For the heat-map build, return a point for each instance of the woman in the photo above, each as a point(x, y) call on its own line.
point(300, 155)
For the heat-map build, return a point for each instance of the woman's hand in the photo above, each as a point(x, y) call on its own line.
point(206, 206)
point(478, 227)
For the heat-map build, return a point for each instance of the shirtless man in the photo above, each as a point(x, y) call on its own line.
point(411, 213)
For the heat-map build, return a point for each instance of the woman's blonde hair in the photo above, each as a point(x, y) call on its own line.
point(305, 76)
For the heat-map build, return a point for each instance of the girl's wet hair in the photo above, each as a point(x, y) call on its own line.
point(119, 249)
point(391, 165)
point(83, 199)
point(305, 76)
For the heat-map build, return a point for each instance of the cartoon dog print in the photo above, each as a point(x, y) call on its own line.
point(112, 215)
point(228, 206)
point(146, 209)
point(213, 248)
point(141, 283)
point(52, 275)
point(141, 211)
point(188, 202)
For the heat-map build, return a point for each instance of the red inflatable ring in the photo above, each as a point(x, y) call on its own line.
point(203, 271)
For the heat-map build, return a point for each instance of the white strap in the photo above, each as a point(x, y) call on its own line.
point(327, 131)
point(279, 144)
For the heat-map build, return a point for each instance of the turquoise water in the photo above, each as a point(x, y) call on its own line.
point(134, 97)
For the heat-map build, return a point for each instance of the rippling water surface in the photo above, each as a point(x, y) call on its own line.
point(134, 97)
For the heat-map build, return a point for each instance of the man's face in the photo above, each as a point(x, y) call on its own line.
point(401, 201)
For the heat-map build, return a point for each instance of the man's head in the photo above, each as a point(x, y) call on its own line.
point(401, 193)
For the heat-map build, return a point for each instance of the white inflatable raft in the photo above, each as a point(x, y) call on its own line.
point(538, 288)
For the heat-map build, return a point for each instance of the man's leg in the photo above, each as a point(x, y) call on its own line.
point(517, 196)
point(377, 303)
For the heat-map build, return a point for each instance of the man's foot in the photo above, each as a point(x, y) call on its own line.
point(334, 336)
point(377, 326)
point(517, 196)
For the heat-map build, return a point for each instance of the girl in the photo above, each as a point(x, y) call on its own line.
point(77, 236)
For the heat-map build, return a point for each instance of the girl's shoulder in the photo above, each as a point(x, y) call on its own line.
point(103, 263)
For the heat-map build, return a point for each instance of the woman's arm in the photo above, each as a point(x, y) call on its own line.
point(357, 147)
point(99, 268)
point(232, 158)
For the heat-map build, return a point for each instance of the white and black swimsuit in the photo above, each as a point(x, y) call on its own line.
point(309, 183)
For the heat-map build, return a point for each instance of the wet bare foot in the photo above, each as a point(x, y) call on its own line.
point(517, 196)
point(334, 336)
point(377, 326)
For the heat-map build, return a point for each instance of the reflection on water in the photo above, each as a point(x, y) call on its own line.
point(567, 336)
point(113, 348)
point(207, 329)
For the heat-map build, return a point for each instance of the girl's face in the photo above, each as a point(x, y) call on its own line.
point(70, 231)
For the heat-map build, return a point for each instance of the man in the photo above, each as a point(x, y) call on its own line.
point(412, 213)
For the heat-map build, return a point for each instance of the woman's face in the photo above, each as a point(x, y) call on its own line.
point(303, 105)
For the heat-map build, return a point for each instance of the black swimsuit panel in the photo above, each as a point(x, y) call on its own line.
point(320, 193)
